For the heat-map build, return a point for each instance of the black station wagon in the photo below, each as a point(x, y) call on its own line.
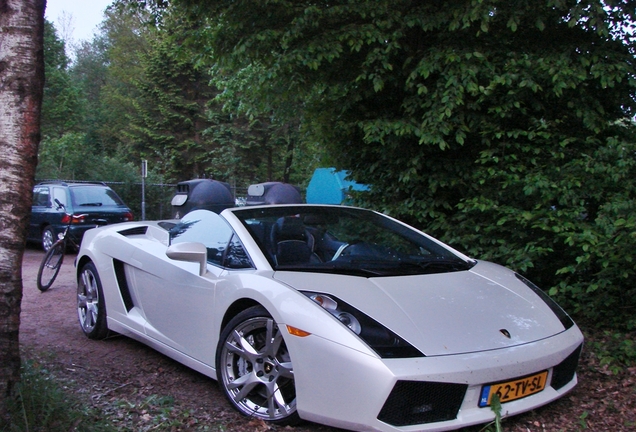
point(84, 205)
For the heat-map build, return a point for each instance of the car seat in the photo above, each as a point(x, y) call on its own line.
point(291, 242)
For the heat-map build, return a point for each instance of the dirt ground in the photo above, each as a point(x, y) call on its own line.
point(142, 390)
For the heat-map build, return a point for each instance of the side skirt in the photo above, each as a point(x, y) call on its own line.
point(164, 349)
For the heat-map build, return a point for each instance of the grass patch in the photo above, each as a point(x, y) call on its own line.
point(41, 404)
point(45, 401)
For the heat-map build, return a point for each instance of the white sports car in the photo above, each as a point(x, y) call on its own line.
point(332, 314)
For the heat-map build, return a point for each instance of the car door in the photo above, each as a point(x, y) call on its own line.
point(178, 303)
point(60, 200)
point(39, 211)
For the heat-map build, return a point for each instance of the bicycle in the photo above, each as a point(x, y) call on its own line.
point(54, 257)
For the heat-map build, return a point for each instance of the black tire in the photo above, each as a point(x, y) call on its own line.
point(48, 238)
point(91, 308)
point(50, 266)
point(260, 383)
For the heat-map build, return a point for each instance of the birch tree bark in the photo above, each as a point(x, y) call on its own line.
point(21, 86)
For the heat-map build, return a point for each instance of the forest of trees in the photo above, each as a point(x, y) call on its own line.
point(504, 128)
point(134, 92)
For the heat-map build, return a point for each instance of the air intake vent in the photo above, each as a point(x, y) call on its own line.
point(416, 402)
point(134, 231)
point(564, 372)
point(122, 283)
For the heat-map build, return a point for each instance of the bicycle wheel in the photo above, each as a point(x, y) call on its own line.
point(50, 266)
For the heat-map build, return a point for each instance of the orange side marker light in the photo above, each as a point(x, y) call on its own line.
point(297, 332)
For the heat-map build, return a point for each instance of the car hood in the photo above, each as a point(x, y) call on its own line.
point(481, 309)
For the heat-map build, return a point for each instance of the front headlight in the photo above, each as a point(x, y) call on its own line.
point(331, 305)
point(379, 338)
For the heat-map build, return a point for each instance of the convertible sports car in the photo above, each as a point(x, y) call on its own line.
point(332, 314)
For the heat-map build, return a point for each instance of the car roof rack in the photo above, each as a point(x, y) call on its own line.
point(71, 183)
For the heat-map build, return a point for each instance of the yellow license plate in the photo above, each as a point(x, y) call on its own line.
point(513, 390)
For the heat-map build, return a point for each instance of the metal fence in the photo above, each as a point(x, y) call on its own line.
point(157, 198)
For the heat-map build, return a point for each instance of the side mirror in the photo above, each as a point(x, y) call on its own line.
point(190, 252)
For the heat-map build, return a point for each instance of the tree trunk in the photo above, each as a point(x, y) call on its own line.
point(21, 87)
point(289, 155)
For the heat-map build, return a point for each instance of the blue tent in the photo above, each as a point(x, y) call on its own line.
point(328, 186)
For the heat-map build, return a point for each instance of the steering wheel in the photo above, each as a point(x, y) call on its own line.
point(343, 247)
point(339, 251)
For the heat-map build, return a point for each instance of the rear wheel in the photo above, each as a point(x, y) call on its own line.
point(50, 266)
point(48, 238)
point(91, 309)
point(255, 370)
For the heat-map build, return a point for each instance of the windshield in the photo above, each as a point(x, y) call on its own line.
point(344, 240)
point(95, 196)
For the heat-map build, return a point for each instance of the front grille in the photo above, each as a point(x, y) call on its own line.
point(417, 402)
point(564, 371)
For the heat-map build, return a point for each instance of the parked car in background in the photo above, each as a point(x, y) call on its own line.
point(85, 205)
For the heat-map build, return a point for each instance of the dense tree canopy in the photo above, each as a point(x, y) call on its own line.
point(134, 92)
point(502, 126)
point(62, 101)
point(170, 112)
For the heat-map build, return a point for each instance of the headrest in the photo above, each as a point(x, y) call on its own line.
point(289, 228)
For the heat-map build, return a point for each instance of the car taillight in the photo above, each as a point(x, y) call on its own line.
point(74, 219)
point(128, 216)
point(77, 219)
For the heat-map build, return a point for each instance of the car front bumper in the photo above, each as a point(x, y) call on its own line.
point(345, 388)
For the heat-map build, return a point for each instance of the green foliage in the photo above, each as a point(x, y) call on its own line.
point(139, 93)
point(582, 419)
point(189, 129)
point(267, 140)
point(470, 121)
point(169, 114)
point(40, 404)
point(61, 105)
point(70, 157)
point(615, 350)
point(599, 273)
point(495, 407)
point(109, 68)
point(254, 146)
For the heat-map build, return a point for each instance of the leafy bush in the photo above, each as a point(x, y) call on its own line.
point(468, 121)
point(615, 350)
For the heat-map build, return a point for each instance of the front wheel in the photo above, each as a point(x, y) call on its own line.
point(50, 266)
point(255, 370)
point(91, 308)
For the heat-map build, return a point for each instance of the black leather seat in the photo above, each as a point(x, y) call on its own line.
point(291, 243)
